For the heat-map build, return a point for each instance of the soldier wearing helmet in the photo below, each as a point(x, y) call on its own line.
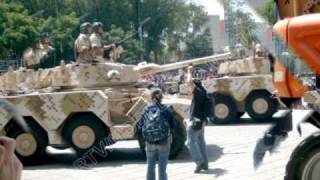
point(82, 45)
point(48, 49)
point(45, 43)
point(97, 42)
point(33, 56)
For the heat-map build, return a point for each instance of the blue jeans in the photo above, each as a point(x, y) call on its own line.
point(197, 144)
point(160, 152)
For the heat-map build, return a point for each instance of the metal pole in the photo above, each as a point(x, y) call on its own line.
point(138, 27)
point(141, 43)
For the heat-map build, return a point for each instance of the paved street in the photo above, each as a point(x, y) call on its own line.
point(230, 153)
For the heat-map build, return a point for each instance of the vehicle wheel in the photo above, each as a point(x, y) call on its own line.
point(260, 105)
point(225, 110)
point(179, 137)
point(83, 132)
point(178, 141)
point(304, 163)
point(31, 146)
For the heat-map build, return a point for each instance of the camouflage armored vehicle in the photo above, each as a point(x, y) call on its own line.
point(82, 105)
point(244, 85)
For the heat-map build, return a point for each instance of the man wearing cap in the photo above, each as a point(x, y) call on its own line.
point(195, 126)
point(48, 49)
point(32, 57)
point(82, 45)
point(97, 42)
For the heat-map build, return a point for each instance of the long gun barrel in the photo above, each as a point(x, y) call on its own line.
point(125, 39)
point(149, 69)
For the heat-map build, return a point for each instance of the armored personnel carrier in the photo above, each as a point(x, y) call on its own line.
point(82, 105)
point(243, 85)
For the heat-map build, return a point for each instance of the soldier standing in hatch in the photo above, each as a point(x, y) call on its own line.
point(49, 50)
point(97, 42)
point(82, 45)
point(32, 57)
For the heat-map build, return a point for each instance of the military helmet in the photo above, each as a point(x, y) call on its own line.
point(85, 26)
point(36, 40)
point(44, 35)
point(96, 25)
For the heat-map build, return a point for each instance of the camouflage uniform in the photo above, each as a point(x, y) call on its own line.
point(97, 46)
point(33, 56)
point(97, 42)
point(83, 45)
point(46, 48)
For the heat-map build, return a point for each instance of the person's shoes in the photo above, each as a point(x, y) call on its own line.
point(199, 167)
point(205, 166)
point(202, 166)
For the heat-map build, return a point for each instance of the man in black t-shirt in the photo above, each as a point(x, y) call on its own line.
point(195, 136)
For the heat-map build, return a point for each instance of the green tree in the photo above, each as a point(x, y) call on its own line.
point(190, 23)
point(268, 12)
point(246, 30)
point(199, 45)
point(172, 21)
point(63, 30)
point(131, 47)
point(17, 29)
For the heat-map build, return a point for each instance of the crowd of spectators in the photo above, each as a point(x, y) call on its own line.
point(203, 72)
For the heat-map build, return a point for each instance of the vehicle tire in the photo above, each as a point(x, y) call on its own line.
point(83, 132)
point(260, 105)
point(31, 146)
point(224, 110)
point(304, 163)
point(179, 136)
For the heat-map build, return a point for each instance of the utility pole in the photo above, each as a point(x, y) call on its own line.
point(138, 27)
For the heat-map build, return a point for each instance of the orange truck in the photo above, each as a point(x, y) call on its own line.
point(296, 76)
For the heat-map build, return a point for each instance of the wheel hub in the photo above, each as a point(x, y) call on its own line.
point(260, 106)
point(83, 137)
point(312, 169)
point(26, 144)
point(221, 111)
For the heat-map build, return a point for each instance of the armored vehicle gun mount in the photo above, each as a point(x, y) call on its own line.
point(90, 76)
point(84, 105)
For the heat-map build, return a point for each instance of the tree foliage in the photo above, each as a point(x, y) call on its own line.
point(268, 12)
point(17, 29)
point(247, 26)
point(199, 45)
point(62, 30)
point(174, 27)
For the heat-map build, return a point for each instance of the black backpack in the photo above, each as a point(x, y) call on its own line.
point(155, 129)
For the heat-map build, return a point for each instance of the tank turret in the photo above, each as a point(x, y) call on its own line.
point(89, 76)
point(245, 66)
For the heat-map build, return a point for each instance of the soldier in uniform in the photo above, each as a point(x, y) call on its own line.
point(97, 42)
point(49, 50)
point(32, 57)
point(82, 45)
